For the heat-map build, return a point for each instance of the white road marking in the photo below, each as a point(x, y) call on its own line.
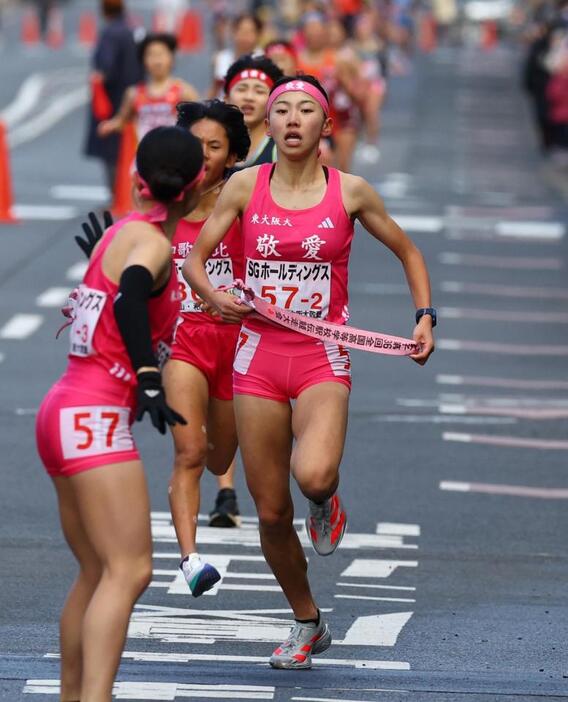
point(538, 413)
point(341, 699)
point(377, 587)
point(85, 193)
point(531, 230)
point(516, 291)
point(510, 441)
point(484, 381)
point(166, 657)
point(77, 271)
point(512, 490)
point(55, 213)
point(53, 297)
point(509, 349)
point(20, 326)
point(165, 690)
point(519, 316)
point(393, 528)
point(442, 419)
point(450, 258)
point(370, 597)
point(417, 223)
point(376, 630)
point(375, 567)
point(48, 117)
point(380, 288)
point(25, 101)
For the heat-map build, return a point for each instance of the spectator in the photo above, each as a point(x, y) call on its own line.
point(115, 68)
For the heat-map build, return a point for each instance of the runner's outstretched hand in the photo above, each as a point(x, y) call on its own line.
point(152, 399)
point(425, 339)
point(93, 232)
point(229, 307)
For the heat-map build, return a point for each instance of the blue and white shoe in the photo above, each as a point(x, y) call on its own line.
point(198, 575)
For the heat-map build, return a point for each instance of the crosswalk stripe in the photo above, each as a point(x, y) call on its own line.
point(20, 326)
point(53, 297)
point(77, 271)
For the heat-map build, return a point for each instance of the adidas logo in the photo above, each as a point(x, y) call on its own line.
point(326, 224)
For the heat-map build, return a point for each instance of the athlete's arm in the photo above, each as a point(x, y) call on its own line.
point(364, 204)
point(124, 115)
point(230, 205)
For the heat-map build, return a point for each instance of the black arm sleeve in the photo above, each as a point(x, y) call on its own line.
point(131, 313)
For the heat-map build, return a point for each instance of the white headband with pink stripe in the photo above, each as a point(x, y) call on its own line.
point(299, 86)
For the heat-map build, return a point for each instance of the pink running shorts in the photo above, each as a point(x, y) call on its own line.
point(84, 422)
point(210, 347)
point(278, 364)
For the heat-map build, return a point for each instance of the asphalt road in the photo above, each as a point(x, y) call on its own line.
point(451, 583)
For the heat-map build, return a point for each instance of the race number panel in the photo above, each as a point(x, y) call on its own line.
point(88, 309)
point(94, 430)
point(220, 272)
point(302, 287)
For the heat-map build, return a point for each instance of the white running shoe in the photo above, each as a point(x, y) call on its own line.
point(370, 154)
point(326, 524)
point(303, 641)
point(199, 576)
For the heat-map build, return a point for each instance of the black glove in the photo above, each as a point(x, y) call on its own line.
point(152, 399)
point(93, 232)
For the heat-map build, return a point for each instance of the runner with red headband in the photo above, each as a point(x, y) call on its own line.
point(123, 320)
point(283, 54)
point(297, 221)
point(198, 376)
point(247, 85)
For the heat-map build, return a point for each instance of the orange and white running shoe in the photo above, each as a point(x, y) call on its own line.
point(304, 640)
point(326, 524)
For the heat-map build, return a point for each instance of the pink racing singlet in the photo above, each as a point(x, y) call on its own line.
point(224, 266)
point(298, 259)
point(152, 112)
point(95, 339)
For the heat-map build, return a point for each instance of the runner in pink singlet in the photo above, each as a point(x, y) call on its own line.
point(297, 225)
point(122, 323)
point(199, 375)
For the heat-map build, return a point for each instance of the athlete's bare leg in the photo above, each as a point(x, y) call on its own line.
point(188, 393)
point(319, 422)
point(265, 441)
point(345, 141)
point(79, 596)
point(115, 513)
point(372, 112)
point(228, 480)
point(222, 437)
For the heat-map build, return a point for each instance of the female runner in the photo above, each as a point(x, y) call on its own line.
point(297, 225)
point(198, 376)
point(153, 103)
point(247, 84)
point(124, 320)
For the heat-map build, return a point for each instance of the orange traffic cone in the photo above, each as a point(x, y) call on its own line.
point(427, 39)
point(87, 29)
point(191, 34)
point(489, 35)
point(122, 201)
point(6, 214)
point(55, 34)
point(30, 28)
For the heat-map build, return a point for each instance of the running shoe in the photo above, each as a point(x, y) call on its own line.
point(326, 524)
point(226, 513)
point(199, 576)
point(303, 641)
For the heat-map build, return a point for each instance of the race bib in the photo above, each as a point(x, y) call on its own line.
point(93, 430)
point(220, 272)
point(302, 287)
point(88, 309)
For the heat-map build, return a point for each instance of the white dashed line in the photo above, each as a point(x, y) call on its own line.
point(369, 597)
point(531, 230)
point(85, 193)
point(518, 383)
point(53, 297)
point(520, 316)
point(509, 349)
point(45, 212)
point(21, 326)
point(450, 258)
point(77, 271)
point(415, 223)
point(510, 441)
point(511, 490)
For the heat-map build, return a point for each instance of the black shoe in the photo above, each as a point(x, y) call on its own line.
point(226, 513)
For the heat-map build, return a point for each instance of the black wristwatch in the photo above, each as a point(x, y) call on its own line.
point(427, 310)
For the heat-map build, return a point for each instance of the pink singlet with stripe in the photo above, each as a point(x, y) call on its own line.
point(298, 260)
point(201, 340)
point(84, 421)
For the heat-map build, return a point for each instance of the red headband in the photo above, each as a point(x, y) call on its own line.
point(159, 213)
point(299, 86)
point(282, 47)
point(250, 74)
